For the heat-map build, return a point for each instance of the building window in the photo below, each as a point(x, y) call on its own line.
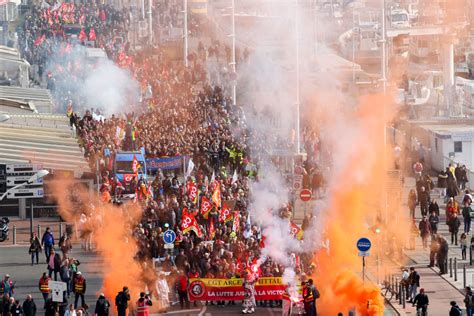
point(436, 144)
point(458, 147)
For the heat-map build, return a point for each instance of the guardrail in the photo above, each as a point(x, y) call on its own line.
point(393, 290)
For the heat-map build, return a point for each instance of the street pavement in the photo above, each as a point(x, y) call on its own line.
point(440, 289)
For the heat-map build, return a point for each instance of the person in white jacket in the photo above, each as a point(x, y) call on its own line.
point(70, 311)
point(162, 291)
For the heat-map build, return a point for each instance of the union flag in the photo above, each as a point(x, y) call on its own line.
point(296, 231)
point(225, 214)
point(206, 207)
point(189, 223)
point(216, 195)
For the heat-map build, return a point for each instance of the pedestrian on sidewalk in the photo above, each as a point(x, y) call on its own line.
point(463, 243)
point(425, 232)
point(47, 242)
point(452, 207)
point(414, 281)
point(443, 182)
point(454, 223)
point(455, 309)
point(466, 214)
point(434, 246)
point(35, 248)
point(442, 255)
point(412, 201)
point(406, 282)
point(54, 264)
point(424, 200)
point(434, 221)
point(469, 301)
point(434, 207)
point(421, 301)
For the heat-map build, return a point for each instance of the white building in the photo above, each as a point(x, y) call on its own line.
point(449, 141)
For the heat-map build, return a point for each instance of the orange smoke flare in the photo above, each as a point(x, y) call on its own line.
point(112, 231)
point(354, 205)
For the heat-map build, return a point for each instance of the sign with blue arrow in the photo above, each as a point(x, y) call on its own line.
point(169, 236)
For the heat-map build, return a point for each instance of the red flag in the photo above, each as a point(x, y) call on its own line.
point(296, 231)
point(39, 40)
point(192, 191)
point(216, 195)
point(189, 223)
point(212, 229)
point(92, 36)
point(206, 207)
point(135, 165)
point(236, 222)
point(240, 266)
point(262, 242)
point(225, 214)
point(82, 35)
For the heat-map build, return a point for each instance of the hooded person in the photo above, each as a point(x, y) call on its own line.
point(102, 306)
point(162, 290)
point(249, 303)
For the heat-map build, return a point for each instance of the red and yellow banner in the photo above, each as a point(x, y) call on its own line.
point(233, 290)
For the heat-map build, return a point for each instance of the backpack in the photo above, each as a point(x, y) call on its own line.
point(118, 300)
point(104, 307)
point(468, 301)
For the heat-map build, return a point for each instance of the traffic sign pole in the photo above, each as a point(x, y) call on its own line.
point(363, 269)
point(363, 244)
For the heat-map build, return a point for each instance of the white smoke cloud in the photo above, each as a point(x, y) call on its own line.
point(90, 82)
point(109, 88)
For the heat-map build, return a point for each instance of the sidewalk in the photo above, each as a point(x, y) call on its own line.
point(23, 230)
point(440, 289)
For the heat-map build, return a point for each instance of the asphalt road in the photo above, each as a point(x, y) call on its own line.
point(16, 262)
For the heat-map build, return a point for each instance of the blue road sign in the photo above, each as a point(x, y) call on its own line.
point(169, 236)
point(364, 244)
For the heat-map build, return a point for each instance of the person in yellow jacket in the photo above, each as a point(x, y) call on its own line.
point(79, 289)
point(44, 286)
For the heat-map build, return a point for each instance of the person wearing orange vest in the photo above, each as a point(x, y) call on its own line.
point(308, 299)
point(143, 305)
point(44, 286)
point(79, 288)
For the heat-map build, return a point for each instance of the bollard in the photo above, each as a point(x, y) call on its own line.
point(464, 276)
point(450, 267)
point(455, 269)
point(400, 293)
point(396, 286)
point(404, 297)
point(14, 234)
point(60, 230)
point(470, 254)
point(39, 231)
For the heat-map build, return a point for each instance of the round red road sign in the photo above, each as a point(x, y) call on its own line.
point(305, 195)
point(298, 170)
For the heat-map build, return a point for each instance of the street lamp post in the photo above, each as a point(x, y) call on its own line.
point(234, 84)
point(186, 33)
point(40, 174)
point(297, 128)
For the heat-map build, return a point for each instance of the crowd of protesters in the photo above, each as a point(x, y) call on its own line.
point(451, 185)
point(182, 112)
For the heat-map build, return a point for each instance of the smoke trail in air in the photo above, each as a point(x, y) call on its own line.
point(112, 230)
